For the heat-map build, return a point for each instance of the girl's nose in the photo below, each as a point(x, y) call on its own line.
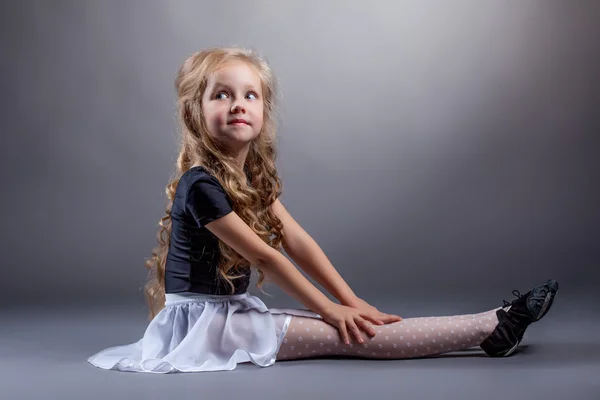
point(237, 108)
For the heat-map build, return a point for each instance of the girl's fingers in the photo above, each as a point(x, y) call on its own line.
point(366, 327)
point(390, 318)
point(373, 319)
point(344, 332)
point(356, 332)
point(394, 318)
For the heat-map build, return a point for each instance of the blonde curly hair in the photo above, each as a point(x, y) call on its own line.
point(251, 202)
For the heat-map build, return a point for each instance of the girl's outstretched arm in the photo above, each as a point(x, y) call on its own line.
point(308, 255)
point(305, 252)
point(232, 230)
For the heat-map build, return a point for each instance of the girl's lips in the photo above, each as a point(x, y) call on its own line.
point(238, 122)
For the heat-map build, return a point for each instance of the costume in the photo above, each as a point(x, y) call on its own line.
point(203, 327)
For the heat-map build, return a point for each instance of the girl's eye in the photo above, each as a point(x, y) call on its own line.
point(249, 94)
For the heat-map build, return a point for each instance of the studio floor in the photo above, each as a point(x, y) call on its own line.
point(43, 355)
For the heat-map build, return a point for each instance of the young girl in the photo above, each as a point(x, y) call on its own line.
point(224, 216)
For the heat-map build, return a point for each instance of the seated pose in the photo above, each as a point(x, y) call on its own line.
point(224, 219)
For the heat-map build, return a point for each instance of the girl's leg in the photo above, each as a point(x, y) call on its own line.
point(409, 338)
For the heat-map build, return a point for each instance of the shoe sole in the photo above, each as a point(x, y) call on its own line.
point(547, 304)
point(511, 350)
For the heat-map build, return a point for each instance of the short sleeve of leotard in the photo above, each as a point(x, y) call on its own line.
point(206, 200)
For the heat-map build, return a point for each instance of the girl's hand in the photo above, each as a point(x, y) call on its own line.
point(379, 318)
point(348, 321)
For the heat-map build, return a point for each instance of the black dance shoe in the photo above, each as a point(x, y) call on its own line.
point(513, 322)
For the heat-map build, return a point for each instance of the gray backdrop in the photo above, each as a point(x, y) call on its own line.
point(446, 149)
point(442, 153)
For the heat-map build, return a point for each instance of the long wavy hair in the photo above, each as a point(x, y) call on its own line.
point(251, 202)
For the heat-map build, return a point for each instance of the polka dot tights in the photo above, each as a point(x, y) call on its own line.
point(409, 338)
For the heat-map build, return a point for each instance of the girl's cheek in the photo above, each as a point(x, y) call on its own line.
point(213, 122)
point(218, 119)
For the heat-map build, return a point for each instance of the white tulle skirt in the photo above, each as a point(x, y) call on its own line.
point(199, 332)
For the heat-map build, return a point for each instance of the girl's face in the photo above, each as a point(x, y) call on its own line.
point(233, 105)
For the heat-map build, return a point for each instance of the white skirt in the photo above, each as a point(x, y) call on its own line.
point(199, 332)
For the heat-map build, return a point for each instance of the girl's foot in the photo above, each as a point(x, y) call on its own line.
point(516, 316)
